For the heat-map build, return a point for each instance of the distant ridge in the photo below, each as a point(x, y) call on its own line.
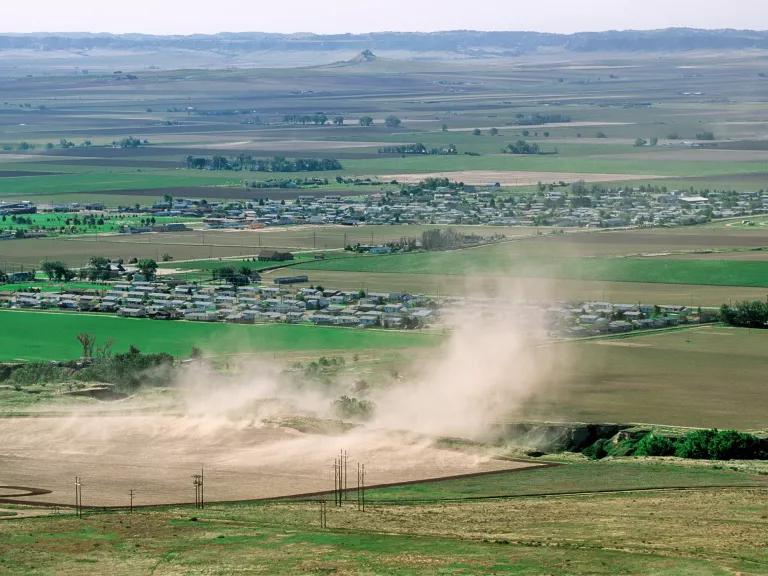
point(459, 41)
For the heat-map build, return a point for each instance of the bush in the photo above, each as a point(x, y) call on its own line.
point(598, 450)
point(695, 444)
point(352, 408)
point(719, 445)
point(653, 445)
point(746, 314)
point(730, 445)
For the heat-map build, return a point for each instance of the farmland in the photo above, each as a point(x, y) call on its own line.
point(643, 378)
point(44, 336)
point(636, 532)
point(432, 411)
point(488, 261)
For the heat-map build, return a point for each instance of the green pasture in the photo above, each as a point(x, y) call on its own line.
point(64, 223)
point(51, 336)
point(564, 479)
point(493, 260)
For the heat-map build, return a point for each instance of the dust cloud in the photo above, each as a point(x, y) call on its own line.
point(496, 357)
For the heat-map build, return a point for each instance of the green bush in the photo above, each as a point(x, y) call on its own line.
point(352, 408)
point(598, 450)
point(719, 445)
point(39, 373)
point(653, 445)
point(733, 445)
point(700, 444)
point(746, 314)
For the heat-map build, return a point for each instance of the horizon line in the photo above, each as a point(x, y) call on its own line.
point(366, 33)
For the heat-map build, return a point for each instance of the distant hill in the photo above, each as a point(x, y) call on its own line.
point(459, 41)
point(364, 56)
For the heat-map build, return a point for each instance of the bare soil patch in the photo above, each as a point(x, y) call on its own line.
point(156, 456)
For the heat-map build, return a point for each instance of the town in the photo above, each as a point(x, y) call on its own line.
point(316, 305)
point(432, 202)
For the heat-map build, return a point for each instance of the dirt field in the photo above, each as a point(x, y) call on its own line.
point(156, 456)
point(513, 178)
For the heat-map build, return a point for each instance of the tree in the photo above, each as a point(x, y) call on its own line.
point(98, 269)
point(366, 121)
point(494, 131)
point(225, 273)
point(57, 271)
point(640, 142)
point(477, 132)
point(87, 341)
point(338, 121)
point(444, 127)
point(392, 121)
point(147, 267)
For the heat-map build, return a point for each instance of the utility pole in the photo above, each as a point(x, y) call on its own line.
point(323, 516)
point(197, 481)
point(345, 474)
point(362, 485)
point(78, 497)
point(131, 492)
point(335, 483)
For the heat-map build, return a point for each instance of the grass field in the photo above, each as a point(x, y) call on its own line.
point(568, 478)
point(494, 260)
point(63, 223)
point(706, 532)
point(702, 376)
point(51, 335)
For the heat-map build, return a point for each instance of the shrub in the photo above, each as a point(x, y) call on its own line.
point(719, 445)
point(598, 450)
point(653, 445)
point(351, 407)
point(730, 444)
point(695, 444)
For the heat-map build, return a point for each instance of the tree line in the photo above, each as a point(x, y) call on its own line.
point(275, 164)
point(699, 444)
point(746, 314)
point(419, 148)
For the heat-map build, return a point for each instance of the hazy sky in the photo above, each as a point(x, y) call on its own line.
point(331, 16)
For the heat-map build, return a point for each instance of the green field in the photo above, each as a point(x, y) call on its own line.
point(566, 479)
point(51, 336)
point(63, 223)
point(705, 532)
point(495, 260)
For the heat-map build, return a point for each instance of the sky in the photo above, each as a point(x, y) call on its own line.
point(356, 16)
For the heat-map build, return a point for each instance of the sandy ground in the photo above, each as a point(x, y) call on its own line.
point(157, 456)
point(514, 178)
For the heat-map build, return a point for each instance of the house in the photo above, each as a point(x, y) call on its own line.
point(127, 312)
point(16, 277)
